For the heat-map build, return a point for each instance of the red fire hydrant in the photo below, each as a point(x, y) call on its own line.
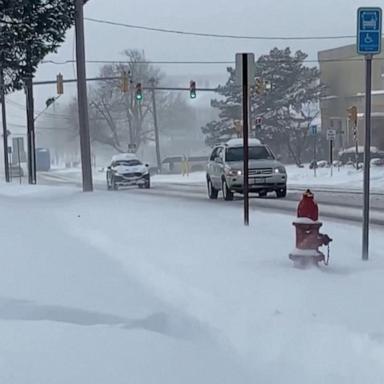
point(308, 236)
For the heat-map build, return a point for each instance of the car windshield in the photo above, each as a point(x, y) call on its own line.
point(259, 152)
point(126, 163)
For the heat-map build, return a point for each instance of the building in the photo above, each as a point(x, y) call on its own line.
point(343, 74)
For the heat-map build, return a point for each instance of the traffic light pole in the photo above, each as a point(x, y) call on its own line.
point(5, 130)
point(367, 155)
point(245, 136)
point(157, 136)
point(85, 144)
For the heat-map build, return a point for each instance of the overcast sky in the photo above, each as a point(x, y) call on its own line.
point(241, 17)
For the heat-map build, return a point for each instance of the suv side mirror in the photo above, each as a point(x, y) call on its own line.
point(218, 160)
point(109, 167)
point(278, 157)
point(147, 165)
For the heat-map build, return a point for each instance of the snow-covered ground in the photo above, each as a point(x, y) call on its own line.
point(127, 287)
point(344, 177)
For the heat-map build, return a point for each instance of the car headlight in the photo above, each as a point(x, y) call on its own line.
point(280, 170)
point(235, 172)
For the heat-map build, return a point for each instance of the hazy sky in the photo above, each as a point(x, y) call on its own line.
point(241, 17)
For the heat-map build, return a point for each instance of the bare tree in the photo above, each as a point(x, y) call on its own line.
point(126, 119)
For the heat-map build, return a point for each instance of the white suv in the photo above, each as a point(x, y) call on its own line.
point(225, 170)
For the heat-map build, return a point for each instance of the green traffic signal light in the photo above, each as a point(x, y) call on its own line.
point(192, 89)
point(139, 92)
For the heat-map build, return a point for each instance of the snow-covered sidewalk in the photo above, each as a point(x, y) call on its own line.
point(129, 287)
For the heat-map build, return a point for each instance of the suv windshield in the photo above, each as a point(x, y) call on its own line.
point(255, 153)
point(126, 163)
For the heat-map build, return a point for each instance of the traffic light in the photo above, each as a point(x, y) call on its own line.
point(267, 85)
point(259, 122)
point(50, 101)
point(192, 89)
point(60, 84)
point(124, 82)
point(139, 92)
point(260, 86)
point(352, 114)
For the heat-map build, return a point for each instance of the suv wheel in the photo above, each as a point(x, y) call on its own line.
point(227, 193)
point(262, 193)
point(280, 193)
point(114, 186)
point(147, 184)
point(212, 191)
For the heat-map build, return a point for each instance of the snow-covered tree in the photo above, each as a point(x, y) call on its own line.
point(29, 30)
point(287, 109)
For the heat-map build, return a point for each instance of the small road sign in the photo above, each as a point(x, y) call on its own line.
point(312, 130)
point(369, 22)
point(331, 134)
point(251, 69)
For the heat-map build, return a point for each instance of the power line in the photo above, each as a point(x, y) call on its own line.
point(215, 35)
point(138, 62)
point(202, 62)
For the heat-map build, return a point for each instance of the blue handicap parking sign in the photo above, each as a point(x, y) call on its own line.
point(369, 22)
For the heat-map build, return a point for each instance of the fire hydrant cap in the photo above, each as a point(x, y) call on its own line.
point(308, 193)
point(308, 207)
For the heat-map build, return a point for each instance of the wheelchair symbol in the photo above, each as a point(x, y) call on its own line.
point(368, 39)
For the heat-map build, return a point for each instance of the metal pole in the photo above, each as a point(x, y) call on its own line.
point(315, 154)
point(157, 138)
point(85, 144)
point(331, 155)
point(18, 160)
point(5, 130)
point(245, 137)
point(367, 155)
point(30, 131)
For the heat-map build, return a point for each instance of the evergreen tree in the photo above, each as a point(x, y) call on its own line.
point(287, 109)
point(30, 29)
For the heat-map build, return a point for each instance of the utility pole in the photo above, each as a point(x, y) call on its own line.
point(157, 138)
point(5, 130)
point(85, 144)
point(30, 131)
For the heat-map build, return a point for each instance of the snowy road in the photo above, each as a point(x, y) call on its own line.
point(334, 203)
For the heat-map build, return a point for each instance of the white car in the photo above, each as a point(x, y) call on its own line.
point(126, 170)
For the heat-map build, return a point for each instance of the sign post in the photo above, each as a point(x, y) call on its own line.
point(245, 63)
point(331, 136)
point(369, 26)
point(313, 133)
